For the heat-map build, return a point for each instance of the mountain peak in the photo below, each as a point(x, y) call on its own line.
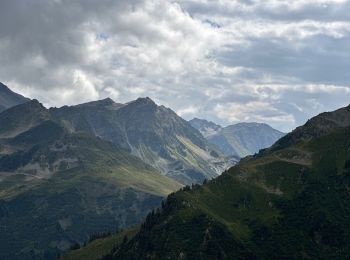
point(108, 99)
point(33, 104)
point(100, 103)
point(105, 102)
point(203, 122)
point(250, 125)
point(207, 128)
point(3, 87)
point(8, 98)
point(145, 100)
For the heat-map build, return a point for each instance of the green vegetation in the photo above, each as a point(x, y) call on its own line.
point(288, 202)
point(100, 247)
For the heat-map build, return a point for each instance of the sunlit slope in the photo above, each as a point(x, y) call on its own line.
point(100, 247)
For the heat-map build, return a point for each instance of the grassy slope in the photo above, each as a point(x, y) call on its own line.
point(124, 169)
point(109, 189)
point(287, 203)
point(100, 247)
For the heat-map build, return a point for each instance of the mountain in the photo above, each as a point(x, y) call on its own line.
point(207, 128)
point(9, 98)
point(290, 201)
point(71, 172)
point(155, 134)
point(58, 186)
point(239, 140)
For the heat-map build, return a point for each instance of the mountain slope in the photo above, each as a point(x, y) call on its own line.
point(153, 133)
point(287, 202)
point(9, 98)
point(240, 139)
point(58, 187)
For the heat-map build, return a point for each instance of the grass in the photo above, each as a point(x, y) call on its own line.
point(100, 247)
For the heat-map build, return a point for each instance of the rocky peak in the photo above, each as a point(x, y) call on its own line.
point(3, 87)
point(207, 128)
point(9, 98)
point(144, 101)
point(99, 103)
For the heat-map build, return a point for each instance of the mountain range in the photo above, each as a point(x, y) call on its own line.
point(58, 186)
point(71, 172)
point(238, 140)
point(290, 201)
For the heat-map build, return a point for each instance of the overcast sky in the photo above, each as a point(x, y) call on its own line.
point(273, 61)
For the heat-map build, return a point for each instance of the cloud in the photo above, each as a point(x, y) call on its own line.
point(278, 62)
point(191, 110)
point(255, 111)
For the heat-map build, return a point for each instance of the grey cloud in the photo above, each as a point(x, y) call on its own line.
point(319, 59)
point(270, 9)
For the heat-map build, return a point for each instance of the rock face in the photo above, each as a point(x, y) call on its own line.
point(240, 139)
point(9, 98)
point(288, 201)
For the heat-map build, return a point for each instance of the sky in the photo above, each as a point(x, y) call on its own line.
point(271, 61)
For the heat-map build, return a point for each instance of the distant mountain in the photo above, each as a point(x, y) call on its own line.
point(207, 128)
point(287, 202)
point(58, 186)
point(9, 98)
point(240, 139)
point(155, 134)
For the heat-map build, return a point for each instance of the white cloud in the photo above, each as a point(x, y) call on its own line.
point(255, 111)
point(188, 111)
point(112, 93)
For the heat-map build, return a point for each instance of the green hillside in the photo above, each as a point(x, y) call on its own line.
point(100, 247)
point(288, 202)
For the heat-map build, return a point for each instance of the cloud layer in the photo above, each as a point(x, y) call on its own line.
point(272, 61)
